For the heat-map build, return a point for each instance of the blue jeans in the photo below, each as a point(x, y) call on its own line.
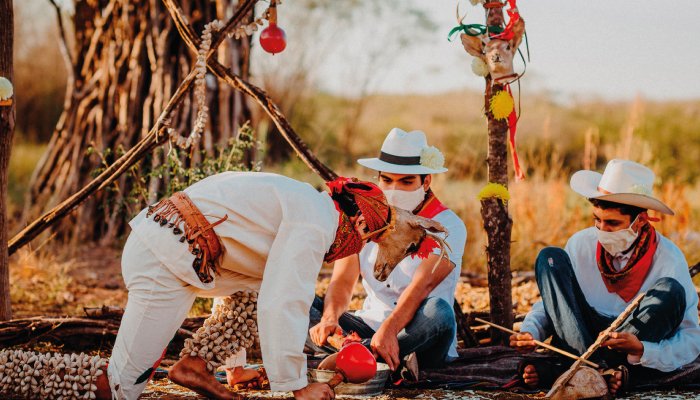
point(576, 324)
point(429, 334)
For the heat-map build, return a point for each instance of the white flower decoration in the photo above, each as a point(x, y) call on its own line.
point(479, 67)
point(641, 189)
point(6, 89)
point(431, 157)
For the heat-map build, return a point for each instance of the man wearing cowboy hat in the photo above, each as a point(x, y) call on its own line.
point(411, 312)
point(602, 269)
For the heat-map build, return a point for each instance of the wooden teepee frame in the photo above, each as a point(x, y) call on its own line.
point(158, 134)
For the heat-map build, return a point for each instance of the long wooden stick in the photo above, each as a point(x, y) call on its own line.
point(561, 382)
point(542, 344)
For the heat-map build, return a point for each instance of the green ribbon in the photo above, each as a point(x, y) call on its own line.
point(474, 30)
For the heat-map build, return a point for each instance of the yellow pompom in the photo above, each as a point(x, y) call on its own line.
point(502, 105)
point(494, 190)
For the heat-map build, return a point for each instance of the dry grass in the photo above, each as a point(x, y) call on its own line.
point(554, 140)
point(40, 281)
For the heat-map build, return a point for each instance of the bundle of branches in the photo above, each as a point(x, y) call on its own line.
point(125, 60)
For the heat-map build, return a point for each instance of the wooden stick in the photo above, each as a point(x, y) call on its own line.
point(561, 382)
point(543, 344)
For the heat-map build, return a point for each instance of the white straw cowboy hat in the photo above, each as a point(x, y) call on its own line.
point(406, 153)
point(623, 181)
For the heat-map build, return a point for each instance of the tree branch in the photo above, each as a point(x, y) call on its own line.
point(259, 95)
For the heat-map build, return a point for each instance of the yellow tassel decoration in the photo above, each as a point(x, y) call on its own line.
point(494, 190)
point(502, 105)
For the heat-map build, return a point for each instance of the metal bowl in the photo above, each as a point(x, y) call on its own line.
point(372, 387)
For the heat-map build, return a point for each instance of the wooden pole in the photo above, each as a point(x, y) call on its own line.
point(7, 128)
point(494, 211)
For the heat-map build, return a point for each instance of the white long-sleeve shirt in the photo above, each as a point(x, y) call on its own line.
point(668, 354)
point(382, 296)
point(276, 235)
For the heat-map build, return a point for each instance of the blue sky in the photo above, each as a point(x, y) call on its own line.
point(591, 48)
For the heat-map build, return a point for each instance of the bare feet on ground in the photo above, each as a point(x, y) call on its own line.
point(532, 379)
point(191, 372)
point(240, 374)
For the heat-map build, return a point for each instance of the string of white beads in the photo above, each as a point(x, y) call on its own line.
point(200, 85)
point(232, 326)
point(33, 375)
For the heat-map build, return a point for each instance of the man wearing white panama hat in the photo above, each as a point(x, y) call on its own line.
point(410, 313)
point(602, 269)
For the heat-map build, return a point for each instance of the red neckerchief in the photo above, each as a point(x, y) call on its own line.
point(431, 207)
point(627, 282)
point(347, 241)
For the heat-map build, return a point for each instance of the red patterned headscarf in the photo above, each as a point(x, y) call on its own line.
point(369, 199)
point(371, 202)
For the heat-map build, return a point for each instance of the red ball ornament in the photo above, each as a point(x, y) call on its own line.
point(356, 363)
point(272, 39)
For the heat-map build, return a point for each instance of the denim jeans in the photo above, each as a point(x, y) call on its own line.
point(576, 324)
point(429, 334)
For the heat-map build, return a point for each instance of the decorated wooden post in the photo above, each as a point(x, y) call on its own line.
point(493, 46)
point(7, 127)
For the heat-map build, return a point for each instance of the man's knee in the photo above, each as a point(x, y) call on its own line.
point(552, 260)
point(670, 291)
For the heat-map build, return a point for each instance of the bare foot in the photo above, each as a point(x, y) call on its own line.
point(191, 372)
point(530, 376)
point(614, 382)
point(240, 374)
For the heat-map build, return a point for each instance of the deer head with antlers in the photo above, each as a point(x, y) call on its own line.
point(495, 51)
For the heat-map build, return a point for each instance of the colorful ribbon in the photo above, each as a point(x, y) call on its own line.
point(512, 128)
point(474, 30)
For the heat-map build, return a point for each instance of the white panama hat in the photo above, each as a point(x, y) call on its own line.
point(406, 153)
point(623, 181)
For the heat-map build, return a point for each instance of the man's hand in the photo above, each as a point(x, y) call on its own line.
point(385, 345)
point(315, 391)
point(319, 333)
point(624, 342)
point(523, 342)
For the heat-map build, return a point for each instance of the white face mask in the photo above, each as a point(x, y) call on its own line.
point(408, 200)
point(617, 242)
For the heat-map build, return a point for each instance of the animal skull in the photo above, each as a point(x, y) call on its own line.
point(497, 53)
point(403, 240)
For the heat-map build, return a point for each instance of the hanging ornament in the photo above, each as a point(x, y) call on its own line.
point(272, 39)
point(502, 105)
point(479, 67)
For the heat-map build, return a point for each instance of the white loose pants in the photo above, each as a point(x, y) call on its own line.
point(158, 303)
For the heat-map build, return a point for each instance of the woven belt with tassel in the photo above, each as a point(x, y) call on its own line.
point(181, 215)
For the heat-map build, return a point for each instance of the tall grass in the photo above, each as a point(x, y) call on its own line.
point(23, 159)
point(554, 141)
